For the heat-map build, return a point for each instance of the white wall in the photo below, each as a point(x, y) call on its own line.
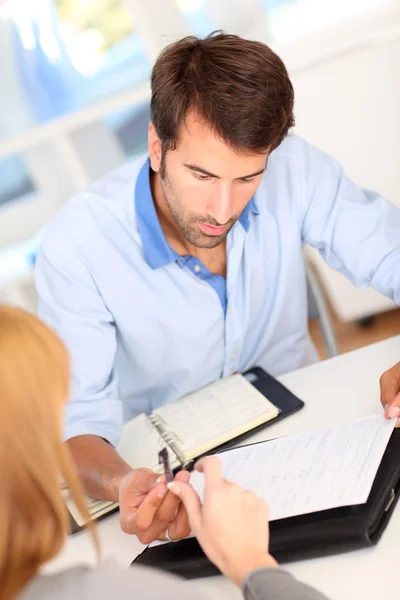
point(348, 105)
point(350, 108)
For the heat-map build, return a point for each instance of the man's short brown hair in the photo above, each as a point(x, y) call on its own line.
point(239, 87)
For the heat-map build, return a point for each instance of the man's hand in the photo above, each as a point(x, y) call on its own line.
point(390, 393)
point(148, 509)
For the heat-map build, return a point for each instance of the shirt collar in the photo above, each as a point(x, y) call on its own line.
point(156, 250)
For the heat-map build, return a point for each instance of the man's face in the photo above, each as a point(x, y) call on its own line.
point(206, 184)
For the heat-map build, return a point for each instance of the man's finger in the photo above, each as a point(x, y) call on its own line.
point(168, 509)
point(390, 386)
point(146, 513)
point(190, 500)
point(393, 410)
point(179, 528)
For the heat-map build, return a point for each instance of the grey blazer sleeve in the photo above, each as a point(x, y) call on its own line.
point(276, 584)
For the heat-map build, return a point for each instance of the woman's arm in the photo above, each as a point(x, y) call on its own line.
point(232, 527)
point(276, 584)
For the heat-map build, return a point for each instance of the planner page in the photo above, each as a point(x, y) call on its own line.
point(309, 472)
point(216, 414)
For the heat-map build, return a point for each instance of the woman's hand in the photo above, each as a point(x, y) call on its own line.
point(231, 525)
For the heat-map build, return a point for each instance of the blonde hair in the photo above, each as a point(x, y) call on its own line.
point(34, 385)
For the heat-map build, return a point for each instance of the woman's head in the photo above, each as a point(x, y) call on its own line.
point(34, 382)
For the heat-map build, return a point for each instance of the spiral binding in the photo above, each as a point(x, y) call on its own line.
point(169, 437)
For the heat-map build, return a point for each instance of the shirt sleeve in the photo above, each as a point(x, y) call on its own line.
point(71, 304)
point(356, 231)
point(276, 584)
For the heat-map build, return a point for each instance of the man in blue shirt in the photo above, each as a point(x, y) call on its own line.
point(185, 266)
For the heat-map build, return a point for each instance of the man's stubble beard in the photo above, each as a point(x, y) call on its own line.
point(195, 238)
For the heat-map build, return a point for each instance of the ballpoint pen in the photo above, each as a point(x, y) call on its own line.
point(163, 459)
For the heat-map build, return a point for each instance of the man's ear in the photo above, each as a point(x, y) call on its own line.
point(154, 146)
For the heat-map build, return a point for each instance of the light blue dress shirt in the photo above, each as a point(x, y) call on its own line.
point(145, 326)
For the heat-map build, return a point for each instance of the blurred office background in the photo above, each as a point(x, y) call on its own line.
point(74, 81)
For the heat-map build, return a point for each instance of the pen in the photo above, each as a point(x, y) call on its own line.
point(163, 459)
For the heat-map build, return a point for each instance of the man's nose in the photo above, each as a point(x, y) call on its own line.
point(221, 206)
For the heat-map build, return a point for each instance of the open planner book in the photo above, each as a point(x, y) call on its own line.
point(189, 428)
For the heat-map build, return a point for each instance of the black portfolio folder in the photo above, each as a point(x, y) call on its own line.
point(307, 536)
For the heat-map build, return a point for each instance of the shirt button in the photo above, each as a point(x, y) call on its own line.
point(229, 309)
point(197, 269)
point(234, 356)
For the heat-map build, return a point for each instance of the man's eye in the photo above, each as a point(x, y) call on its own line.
point(201, 177)
point(247, 180)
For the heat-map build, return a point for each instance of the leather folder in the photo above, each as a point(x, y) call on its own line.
point(318, 534)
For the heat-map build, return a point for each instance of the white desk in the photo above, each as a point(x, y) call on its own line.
point(340, 389)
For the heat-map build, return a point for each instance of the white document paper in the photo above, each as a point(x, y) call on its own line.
point(312, 471)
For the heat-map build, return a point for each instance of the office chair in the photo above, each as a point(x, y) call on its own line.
point(318, 309)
